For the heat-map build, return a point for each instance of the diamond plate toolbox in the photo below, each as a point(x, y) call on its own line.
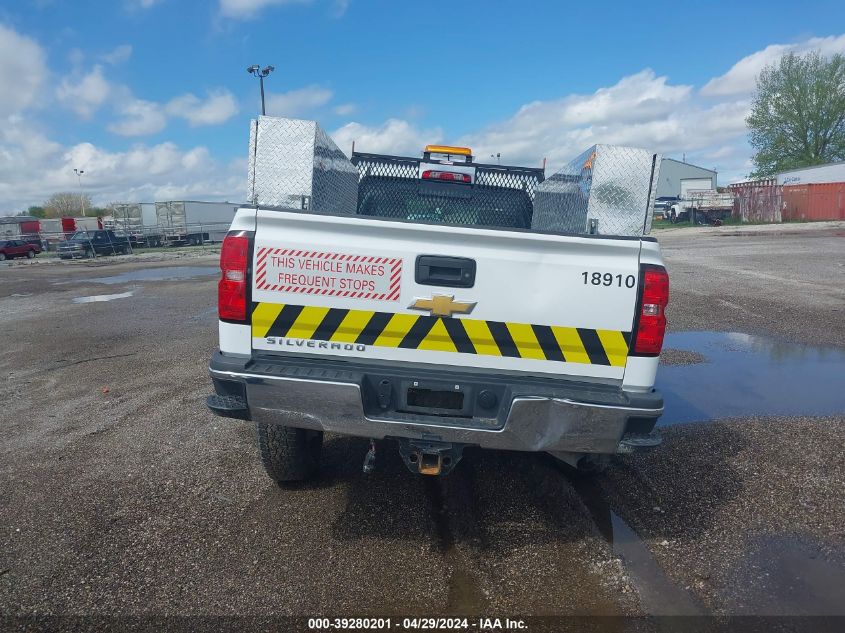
point(606, 190)
point(294, 164)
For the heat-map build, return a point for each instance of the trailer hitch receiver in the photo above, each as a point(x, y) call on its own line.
point(430, 458)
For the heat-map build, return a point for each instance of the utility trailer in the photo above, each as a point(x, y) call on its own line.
point(192, 222)
point(702, 206)
point(138, 222)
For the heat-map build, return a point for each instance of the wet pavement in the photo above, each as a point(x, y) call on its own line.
point(737, 375)
point(161, 273)
point(787, 575)
point(658, 594)
point(101, 298)
point(122, 494)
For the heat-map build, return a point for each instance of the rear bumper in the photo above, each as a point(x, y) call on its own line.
point(335, 396)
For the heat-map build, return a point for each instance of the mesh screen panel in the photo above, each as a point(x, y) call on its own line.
point(391, 187)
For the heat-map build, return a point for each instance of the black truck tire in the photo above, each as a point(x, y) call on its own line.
point(289, 454)
point(30, 254)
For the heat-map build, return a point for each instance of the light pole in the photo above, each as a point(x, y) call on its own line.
point(261, 73)
point(79, 173)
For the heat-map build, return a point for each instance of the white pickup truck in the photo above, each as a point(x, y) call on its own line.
point(439, 325)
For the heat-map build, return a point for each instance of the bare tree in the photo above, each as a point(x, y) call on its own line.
point(798, 115)
point(66, 203)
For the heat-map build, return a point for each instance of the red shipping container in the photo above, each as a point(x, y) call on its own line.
point(68, 226)
point(813, 202)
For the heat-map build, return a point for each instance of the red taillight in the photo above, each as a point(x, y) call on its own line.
point(231, 291)
point(451, 176)
point(651, 324)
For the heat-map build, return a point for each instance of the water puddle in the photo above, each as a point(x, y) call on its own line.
point(99, 298)
point(744, 375)
point(786, 575)
point(165, 273)
point(658, 594)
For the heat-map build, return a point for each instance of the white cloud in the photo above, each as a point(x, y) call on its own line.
point(641, 109)
point(297, 102)
point(740, 79)
point(142, 4)
point(23, 68)
point(119, 55)
point(139, 118)
point(219, 107)
point(84, 95)
point(393, 137)
point(75, 56)
point(32, 168)
point(345, 109)
point(246, 9)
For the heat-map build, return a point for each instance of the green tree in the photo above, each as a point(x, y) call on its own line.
point(798, 114)
point(37, 212)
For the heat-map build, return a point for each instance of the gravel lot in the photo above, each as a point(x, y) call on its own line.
point(121, 494)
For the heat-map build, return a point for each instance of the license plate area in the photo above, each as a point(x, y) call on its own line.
point(423, 401)
point(420, 398)
point(435, 398)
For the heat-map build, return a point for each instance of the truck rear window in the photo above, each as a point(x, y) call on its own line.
point(476, 205)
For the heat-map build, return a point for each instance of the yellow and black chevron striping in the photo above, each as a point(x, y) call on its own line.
point(449, 334)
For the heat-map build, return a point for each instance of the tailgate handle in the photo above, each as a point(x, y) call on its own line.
point(452, 272)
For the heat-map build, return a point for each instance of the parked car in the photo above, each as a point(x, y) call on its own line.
point(10, 249)
point(92, 243)
point(662, 206)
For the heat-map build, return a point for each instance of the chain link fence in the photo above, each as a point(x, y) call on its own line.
point(114, 239)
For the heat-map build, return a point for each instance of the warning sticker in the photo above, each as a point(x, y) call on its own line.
point(331, 274)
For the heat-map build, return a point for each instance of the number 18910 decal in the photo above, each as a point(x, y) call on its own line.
point(609, 279)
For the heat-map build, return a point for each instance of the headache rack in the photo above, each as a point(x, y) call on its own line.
point(391, 187)
point(606, 190)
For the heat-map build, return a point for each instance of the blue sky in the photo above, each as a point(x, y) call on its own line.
point(151, 97)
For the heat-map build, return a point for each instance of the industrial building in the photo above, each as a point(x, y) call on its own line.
point(831, 172)
point(676, 178)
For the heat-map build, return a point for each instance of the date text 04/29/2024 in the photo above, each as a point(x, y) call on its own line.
point(417, 624)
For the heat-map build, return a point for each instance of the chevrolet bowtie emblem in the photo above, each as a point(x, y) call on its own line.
point(442, 305)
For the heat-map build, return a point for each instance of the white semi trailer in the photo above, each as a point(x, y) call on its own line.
point(193, 222)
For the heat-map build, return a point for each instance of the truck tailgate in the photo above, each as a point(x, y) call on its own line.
point(539, 304)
